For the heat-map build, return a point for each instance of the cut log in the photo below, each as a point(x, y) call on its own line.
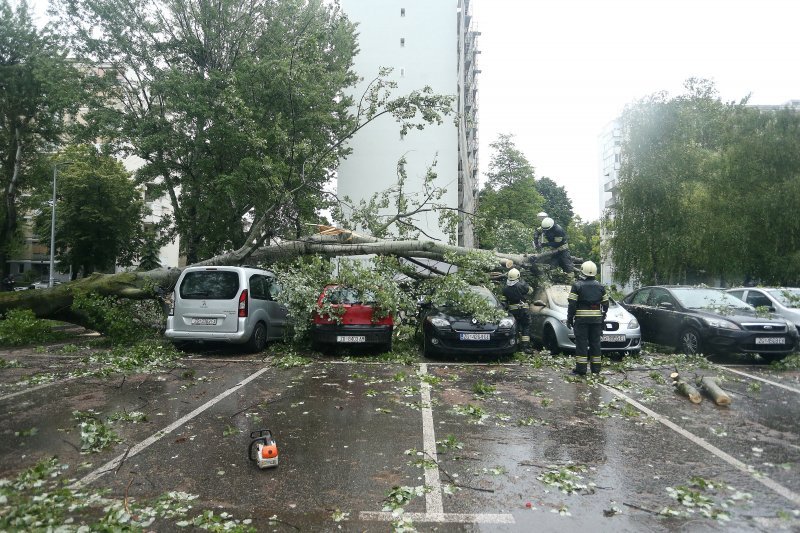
point(688, 391)
point(710, 385)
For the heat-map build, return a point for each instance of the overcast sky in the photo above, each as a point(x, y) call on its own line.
point(555, 72)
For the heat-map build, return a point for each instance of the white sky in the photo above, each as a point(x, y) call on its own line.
point(555, 72)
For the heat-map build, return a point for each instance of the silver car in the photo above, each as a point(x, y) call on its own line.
point(621, 331)
point(783, 301)
point(229, 304)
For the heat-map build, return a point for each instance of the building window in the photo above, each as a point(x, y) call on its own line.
point(402, 41)
point(402, 12)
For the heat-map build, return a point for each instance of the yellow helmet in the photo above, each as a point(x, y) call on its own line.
point(589, 268)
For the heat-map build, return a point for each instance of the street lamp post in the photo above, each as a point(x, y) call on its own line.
point(53, 229)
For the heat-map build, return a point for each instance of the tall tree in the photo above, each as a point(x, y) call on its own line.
point(584, 239)
point(707, 191)
point(237, 108)
point(99, 213)
point(556, 202)
point(508, 203)
point(39, 91)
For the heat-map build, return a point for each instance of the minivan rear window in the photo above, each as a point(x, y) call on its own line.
point(210, 285)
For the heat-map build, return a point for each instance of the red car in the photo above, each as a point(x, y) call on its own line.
point(356, 322)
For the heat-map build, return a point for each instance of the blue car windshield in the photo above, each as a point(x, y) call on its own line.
point(699, 298)
point(788, 297)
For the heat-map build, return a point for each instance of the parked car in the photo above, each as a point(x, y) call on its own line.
point(229, 304)
point(705, 320)
point(621, 332)
point(784, 301)
point(358, 323)
point(445, 330)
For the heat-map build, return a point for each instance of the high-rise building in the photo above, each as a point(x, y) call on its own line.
point(425, 42)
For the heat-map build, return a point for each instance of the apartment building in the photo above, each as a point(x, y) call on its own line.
point(426, 42)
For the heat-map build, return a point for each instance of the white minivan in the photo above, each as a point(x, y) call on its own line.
point(229, 304)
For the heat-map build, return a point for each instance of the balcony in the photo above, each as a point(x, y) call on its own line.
point(609, 186)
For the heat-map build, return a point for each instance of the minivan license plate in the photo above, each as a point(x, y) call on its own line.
point(351, 338)
point(204, 321)
point(770, 340)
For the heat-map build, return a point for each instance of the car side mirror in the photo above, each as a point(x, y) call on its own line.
point(539, 303)
point(666, 305)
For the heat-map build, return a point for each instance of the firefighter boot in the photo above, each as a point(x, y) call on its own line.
point(581, 362)
point(596, 364)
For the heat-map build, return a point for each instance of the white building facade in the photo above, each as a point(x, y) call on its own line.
point(426, 43)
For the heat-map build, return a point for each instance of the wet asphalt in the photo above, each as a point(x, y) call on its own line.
point(484, 436)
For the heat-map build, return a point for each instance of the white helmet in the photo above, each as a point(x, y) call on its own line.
point(589, 269)
point(513, 276)
point(547, 223)
point(542, 214)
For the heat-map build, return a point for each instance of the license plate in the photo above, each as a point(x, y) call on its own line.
point(351, 338)
point(770, 340)
point(204, 321)
point(612, 338)
point(474, 336)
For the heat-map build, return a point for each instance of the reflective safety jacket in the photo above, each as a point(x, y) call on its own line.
point(588, 301)
point(515, 294)
point(556, 237)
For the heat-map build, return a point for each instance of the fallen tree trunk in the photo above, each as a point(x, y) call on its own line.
point(56, 303)
point(710, 385)
point(689, 391)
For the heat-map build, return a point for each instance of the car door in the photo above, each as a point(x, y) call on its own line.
point(265, 289)
point(664, 320)
point(537, 315)
point(636, 304)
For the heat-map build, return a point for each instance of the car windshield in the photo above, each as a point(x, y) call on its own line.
point(558, 295)
point(698, 298)
point(483, 292)
point(788, 297)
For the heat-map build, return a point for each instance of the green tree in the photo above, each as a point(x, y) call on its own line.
point(707, 191)
point(556, 202)
point(508, 203)
point(584, 239)
point(239, 110)
point(39, 90)
point(99, 213)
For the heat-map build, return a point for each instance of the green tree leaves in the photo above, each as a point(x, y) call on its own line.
point(708, 191)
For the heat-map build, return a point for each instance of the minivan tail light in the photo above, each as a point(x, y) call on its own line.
point(243, 304)
point(171, 304)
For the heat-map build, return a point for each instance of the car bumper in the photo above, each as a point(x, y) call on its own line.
point(333, 333)
point(500, 342)
point(745, 342)
point(239, 337)
point(629, 341)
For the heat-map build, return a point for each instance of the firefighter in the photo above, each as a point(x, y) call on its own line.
point(588, 305)
point(537, 233)
point(557, 241)
point(515, 292)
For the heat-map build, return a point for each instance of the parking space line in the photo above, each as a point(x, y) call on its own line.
point(774, 383)
point(155, 437)
point(434, 506)
point(37, 387)
point(739, 465)
point(433, 499)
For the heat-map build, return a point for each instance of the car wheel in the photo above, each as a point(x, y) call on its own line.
point(689, 342)
point(551, 342)
point(258, 340)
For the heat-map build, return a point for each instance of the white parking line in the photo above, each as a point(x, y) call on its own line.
point(155, 437)
point(434, 507)
point(780, 489)
point(751, 376)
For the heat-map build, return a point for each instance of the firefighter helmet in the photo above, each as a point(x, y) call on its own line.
point(513, 276)
point(589, 268)
point(542, 214)
point(547, 223)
